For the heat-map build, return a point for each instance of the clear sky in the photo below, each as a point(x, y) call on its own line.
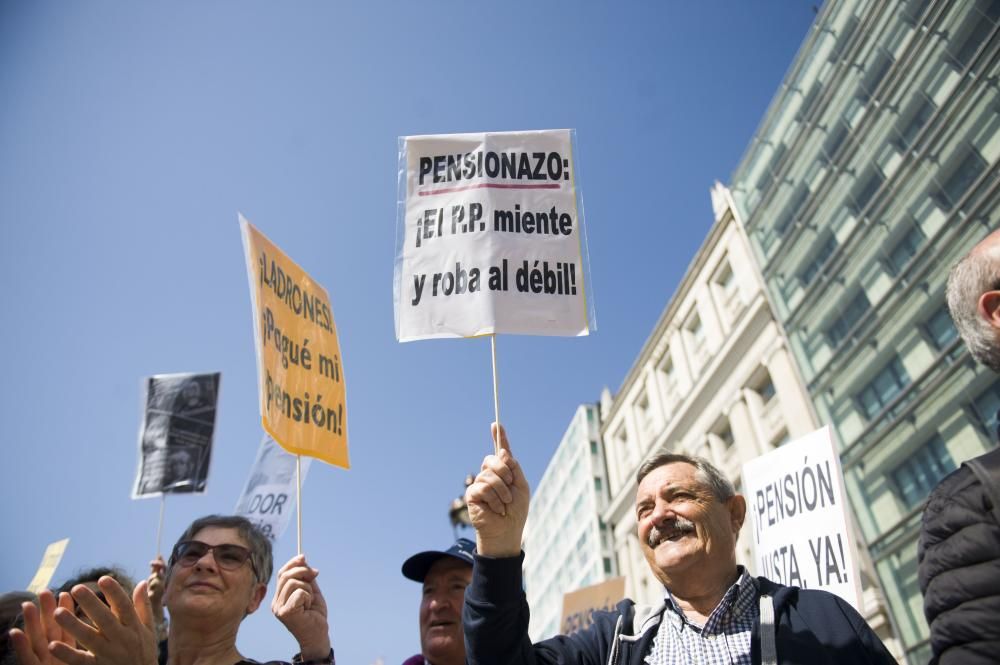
point(131, 134)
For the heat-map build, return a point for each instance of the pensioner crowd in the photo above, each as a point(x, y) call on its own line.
point(473, 607)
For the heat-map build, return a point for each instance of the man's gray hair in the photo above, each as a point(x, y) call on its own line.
point(968, 280)
point(257, 542)
point(707, 473)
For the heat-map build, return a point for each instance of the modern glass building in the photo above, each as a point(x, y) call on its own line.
point(873, 171)
point(568, 545)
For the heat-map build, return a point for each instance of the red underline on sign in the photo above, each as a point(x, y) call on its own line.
point(491, 185)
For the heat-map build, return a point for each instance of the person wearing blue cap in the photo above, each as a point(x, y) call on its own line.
point(444, 576)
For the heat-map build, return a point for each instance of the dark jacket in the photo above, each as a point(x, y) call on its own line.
point(162, 648)
point(959, 555)
point(811, 627)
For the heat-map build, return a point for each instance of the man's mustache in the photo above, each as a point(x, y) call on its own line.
point(678, 526)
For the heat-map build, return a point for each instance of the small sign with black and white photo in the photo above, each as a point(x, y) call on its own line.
point(175, 440)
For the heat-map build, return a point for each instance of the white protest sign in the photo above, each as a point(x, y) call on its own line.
point(47, 568)
point(268, 498)
point(490, 237)
point(799, 513)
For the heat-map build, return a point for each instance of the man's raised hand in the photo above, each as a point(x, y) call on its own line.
point(498, 501)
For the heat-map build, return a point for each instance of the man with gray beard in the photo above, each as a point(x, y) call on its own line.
point(959, 550)
point(713, 612)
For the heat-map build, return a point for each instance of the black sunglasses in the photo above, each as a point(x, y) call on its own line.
point(229, 557)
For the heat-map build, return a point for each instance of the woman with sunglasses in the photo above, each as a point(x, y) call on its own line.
point(217, 574)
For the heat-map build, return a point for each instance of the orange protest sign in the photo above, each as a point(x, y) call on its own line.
point(299, 368)
point(580, 605)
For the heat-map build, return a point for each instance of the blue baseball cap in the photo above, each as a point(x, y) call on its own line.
point(416, 567)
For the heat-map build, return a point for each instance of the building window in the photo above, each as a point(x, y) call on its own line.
point(843, 37)
point(725, 278)
point(766, 389)
point(643, 413)
point(986, 406)
point(726, 281)
point(886, 385)
point(607, 566)
point(795, 204)
point(622, 436)
point(904, 250)
point(971, 36)
point(940, 328)
point(914, 121)
point(911, 13)
point(848, 316)
point(723, 431)
point(697, 330)
point(761, 384)
point(809, 101)
point(593, 447)
point(598, 486)
point(818, 260)
point(727, 436)
point(921, 471)
point(835, 139)
point(966, 171)
point(696, 335)
point(727, 290)
point(765, 180)
point(666, 369)
point(876, 72)
point(864, 192)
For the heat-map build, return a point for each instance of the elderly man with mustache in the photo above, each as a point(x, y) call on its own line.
point(689, 517)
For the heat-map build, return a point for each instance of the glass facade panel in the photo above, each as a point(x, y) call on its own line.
point(851, 314)
point(905, 249)
point(902, 586)
point(921, 111)
point(985, 408)
point(817, 261)
point(863, 194)
point(882, 184)
point(917, 475)
point(941, 329)
point(960, 179)
point(883, 388)
point(973, 33)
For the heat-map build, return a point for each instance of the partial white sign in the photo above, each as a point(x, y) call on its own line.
point(268, 498)
point(800, 517)
point(490, 237)
point(47, 568)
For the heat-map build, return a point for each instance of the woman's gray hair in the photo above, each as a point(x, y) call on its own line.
point(257, 542)
point(707, 473)
point(968, 280)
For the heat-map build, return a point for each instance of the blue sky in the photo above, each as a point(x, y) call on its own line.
point(131, 134)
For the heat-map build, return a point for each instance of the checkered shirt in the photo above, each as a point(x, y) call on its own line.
point(723, 640)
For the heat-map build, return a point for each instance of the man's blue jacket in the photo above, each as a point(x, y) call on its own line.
point(810, 627)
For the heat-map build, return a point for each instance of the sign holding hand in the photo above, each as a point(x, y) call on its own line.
point(498, 501)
